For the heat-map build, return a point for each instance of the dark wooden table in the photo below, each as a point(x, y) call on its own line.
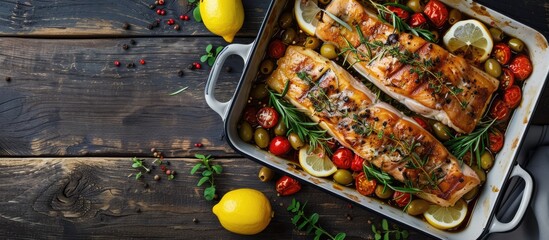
point(70, 122)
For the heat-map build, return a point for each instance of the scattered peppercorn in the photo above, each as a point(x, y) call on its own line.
point(228, 69)
point(132, 42)
point(130, 65)
point(153, 150)
point(126, 26)
point(191, 67)
point(159, 11)
point(349, 217)
point(152, 6)
point(8, 79)
point(180, 73)
point(125, 47)
point(163, 168)
point(170, 21)
point(186, 17)
point(198, 145)
point(156, 177)
point(197, 65)
point(150, 26)
point(195, 220)
point(117, 63)
point(163, 12)
point(168, 172)
point(142, 61)
point(160, 2)
point(176, 27)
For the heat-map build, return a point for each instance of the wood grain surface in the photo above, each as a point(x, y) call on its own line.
point(70, 121)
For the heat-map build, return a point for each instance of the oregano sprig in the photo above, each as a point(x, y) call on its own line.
point(210, 55)
point(138, 164)
point(207, 174)
point(308, 223)
point(386, 232)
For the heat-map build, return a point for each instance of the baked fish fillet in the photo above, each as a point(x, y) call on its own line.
point(373, 129)
point(422, 75)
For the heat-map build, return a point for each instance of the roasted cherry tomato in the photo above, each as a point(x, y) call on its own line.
point(422, 123)
point(436, 12)
point(506, 79)
point(417, 20)
point(499, 110)
point(512, 96)
point(267, 117)
point(401, 13)
point(276, 49)
point(495, 139)
point(521, 67)
point(343, 158)
point(502, 53)
point(279, 145)
point(401, 199)
point(250, 116)
point(364, 185)
point(356, 165)
point(287, 186)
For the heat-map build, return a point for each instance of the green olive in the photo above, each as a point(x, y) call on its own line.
point(343, 177)
point(454, 16)
point(480, 173)
point(285, 21)
point(259, 91)
point(267, 66)
point(492, 67)
point(383, 192)
point(245, 131)
point(471, 194)
point(436, 35)
point(415, 5)
point(325, 1)
point(486, 160)
point(497, 34)
point(417, 206)
point(312, 42)
point(516, 44)
point(295, 141)
point(261, 138)
point(441, 131)
point(328, 50)
point(280, 129)
point(288, 36)
point(265, 174)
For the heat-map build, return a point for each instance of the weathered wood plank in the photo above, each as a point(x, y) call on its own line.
point(66, 97)
point(70, 18)
point(78, 198)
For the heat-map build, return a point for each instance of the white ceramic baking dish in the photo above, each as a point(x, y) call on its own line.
point(482, 220)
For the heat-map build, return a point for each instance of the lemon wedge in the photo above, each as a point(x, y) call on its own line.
point(446, 217)
point(305, 12)
point(316, 162)
point(470, 39)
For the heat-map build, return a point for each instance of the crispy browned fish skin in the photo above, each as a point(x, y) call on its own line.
point(396, 79)
point(338, 102)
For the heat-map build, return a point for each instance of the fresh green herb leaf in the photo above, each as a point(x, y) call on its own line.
point(207, 174)
point(196, 14)
point(309, 222)
point(178, 91)
point(386, 232)
point(474, 142)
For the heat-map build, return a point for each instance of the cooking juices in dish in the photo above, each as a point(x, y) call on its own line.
point(339, 119)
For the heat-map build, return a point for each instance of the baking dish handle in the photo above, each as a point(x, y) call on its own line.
point(498, 226)
point(242, 50)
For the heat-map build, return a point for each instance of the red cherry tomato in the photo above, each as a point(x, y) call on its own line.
point(499, 110)
point(502, 53)
point(506, 79)
point(343, 158)
point(401, 199)
point(250, 116)
point(287, 186)
point(521, 67)
point(421, 123)
point(279, 145)
point(495, 139)
point(276, 49)
point(417, 20)
point(267, 117)
point(401, 13)
point(364, 185)
point(436, 12)
point(356, 165)
point(512, 96)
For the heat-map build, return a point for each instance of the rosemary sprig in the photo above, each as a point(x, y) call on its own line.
point(309, 223)
point(399, 24)
point(295, 121)
point(474, 142)
point(387, 180)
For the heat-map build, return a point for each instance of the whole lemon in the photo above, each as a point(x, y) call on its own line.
point(244, 211)
point(222, 17)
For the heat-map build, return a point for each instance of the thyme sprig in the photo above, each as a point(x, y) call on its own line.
point(317, 94)
point(295, 121)
point(399, 24)
point(474, 142)
point(386, 232)
point(309, 223)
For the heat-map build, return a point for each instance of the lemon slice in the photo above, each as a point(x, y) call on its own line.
point(316, 162)
point(446, 217)
point(305, 12)
point(469, 38)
